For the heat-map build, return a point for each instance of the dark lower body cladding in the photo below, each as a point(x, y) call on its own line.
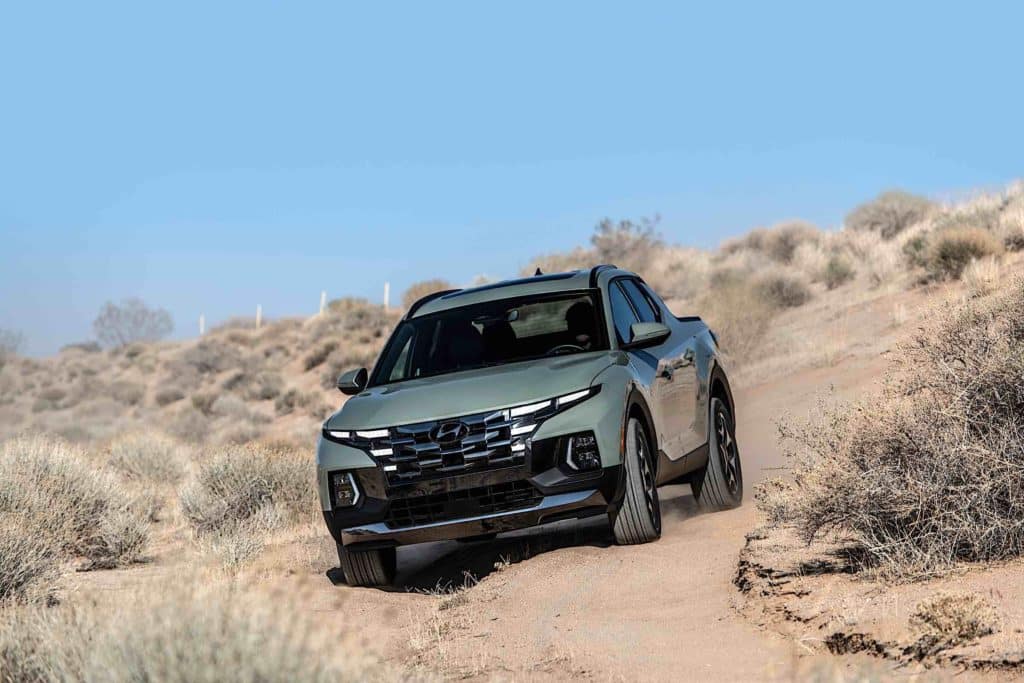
point(468, 505)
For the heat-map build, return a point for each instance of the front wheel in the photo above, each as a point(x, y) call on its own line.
point(638, 519)
point(367, 567)
point(720, 485)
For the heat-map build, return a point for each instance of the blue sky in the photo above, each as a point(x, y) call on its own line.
point(211, 156)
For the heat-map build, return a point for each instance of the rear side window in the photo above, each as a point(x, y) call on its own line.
point(641, 304)
point(622, 313)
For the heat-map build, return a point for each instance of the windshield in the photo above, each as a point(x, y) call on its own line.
point(492, 333)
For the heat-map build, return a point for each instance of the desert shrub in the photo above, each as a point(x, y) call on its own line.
point(168, 395)
point(889, 214)
point(982, 276)
point(238, 482)
point(779, 242)
point(52, 489)
point(255, 385)
point(346, 359)
point(951, 619)
point(561, 262)
point(229, 405)
point(83, 347)
point(915, 251)
point(838, 272)
point(1011, 226)
point(203, 402)
point(131, 321)
point(148, 456)
point(128, 393)
point(782, 289)
point(926, 474)
point(628, 244)
point(210, 357)
point(53, 394)
point(293, 399)
point(27, 563)
point(319, 355)
point(951, 250)
point(176, 635)
point(189, 425)
point(737, 314)
point(417, 291)
point(11, 342)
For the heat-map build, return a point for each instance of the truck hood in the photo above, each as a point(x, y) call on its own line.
point(471, 391)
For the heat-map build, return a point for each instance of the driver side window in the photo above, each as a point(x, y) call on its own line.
point(622, 313)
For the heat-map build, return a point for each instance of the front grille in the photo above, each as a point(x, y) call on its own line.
point(418, 452)
point(452, 505)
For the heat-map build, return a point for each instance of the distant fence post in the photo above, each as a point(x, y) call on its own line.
point(259, 315)
point(323, 301)
point(387, 295)
point(202, 324)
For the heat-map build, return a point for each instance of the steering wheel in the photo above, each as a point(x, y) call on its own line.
point(562, 348)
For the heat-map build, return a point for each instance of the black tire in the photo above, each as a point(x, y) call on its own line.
point(719, 486)
point(638, 519)
point(368, 567)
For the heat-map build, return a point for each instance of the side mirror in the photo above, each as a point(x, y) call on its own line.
point(647, 334)
point(352, 382)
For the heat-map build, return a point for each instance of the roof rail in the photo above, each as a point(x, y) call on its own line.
point(428, 298)
point(596, 270)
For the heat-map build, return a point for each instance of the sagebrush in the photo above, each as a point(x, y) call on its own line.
point(927, 474)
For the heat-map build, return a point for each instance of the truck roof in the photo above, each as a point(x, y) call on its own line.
point(507, 289)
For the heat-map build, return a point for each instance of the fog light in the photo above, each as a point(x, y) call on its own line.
point(581, 453)
point(344, 491)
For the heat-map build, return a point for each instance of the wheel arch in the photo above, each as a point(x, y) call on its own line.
point(718, 387)
point(636, 406)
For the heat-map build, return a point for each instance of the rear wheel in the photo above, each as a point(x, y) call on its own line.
point(367, 567)
point(720, 485)
point(638, 519)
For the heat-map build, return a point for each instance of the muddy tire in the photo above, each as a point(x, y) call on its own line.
point(367, 567)
point(719, 486)
point(638, 519)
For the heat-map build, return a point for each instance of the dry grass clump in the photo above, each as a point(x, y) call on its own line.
point(50, 489)
point(929, 473)
point(149, 457)
point(27, 563)
point(177, 636)
point(950, 251)
point(888, 214)
point(239, 483)
point(951, 619)
point(982, 276)
point(419, 290)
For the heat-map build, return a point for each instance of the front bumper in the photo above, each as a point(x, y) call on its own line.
point(367, 525)
point(551, 508)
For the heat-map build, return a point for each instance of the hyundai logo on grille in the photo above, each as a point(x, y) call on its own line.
point(448, 432)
